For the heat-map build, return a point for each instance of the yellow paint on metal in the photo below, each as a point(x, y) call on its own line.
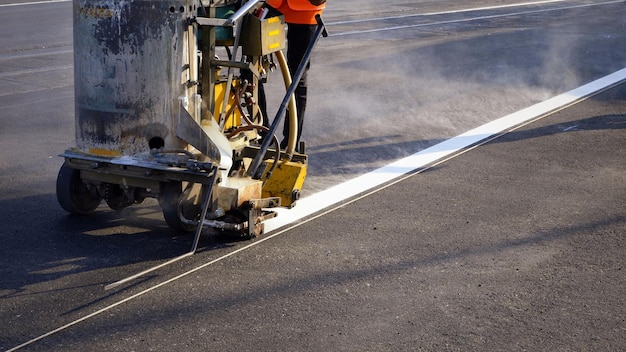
point(104, 152)
point(233, 120)
point(286, 180)
point(98, 12)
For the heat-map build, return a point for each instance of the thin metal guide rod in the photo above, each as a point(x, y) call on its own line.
point(194, 247)
point(205, 208)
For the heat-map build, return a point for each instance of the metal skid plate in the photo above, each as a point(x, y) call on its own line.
point(144, 171)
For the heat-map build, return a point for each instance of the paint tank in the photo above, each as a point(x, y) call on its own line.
point(129, 73)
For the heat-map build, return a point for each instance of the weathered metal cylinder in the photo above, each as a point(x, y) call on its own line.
point(129, 69)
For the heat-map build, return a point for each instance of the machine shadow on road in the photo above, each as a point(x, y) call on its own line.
point(360, 156)
point(306, 282)
point(67, 245)
point(595, 123)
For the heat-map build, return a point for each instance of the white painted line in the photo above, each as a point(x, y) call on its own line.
point(471, 19)
point(36, 70)
point(33, 3)
point(339, 194)
point(314, 206)
point(498, 7)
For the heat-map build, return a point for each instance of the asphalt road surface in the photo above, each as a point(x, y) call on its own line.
point(516, 245)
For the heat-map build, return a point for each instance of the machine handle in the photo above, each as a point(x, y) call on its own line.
point(242, 11)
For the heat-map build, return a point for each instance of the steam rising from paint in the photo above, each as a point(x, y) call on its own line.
point(378, 97)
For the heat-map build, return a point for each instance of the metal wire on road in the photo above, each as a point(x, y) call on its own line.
point(329, 200)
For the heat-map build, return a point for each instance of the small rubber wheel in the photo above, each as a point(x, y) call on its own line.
point(73, 194)
point(172, 201)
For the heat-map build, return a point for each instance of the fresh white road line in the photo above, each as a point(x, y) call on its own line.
point(338, 195)
point(463, 20)
point(321, 203)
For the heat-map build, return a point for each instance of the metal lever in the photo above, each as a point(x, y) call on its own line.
point(242, 11)
point(194, 246)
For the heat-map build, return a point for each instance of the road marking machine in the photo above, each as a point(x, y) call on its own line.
point(167, 106)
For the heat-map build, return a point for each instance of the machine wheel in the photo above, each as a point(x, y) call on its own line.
point(73, 194)
point(174, 203)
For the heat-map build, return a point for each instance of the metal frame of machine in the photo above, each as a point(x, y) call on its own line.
point(159, 115)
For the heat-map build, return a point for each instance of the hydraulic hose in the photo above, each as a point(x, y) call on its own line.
point(293, 113)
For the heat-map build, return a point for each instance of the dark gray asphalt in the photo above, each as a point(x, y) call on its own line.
point(516, 245)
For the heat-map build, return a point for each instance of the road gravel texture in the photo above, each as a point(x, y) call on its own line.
point(517, 245)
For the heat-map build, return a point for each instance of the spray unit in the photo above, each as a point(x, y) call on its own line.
point(167, 106)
